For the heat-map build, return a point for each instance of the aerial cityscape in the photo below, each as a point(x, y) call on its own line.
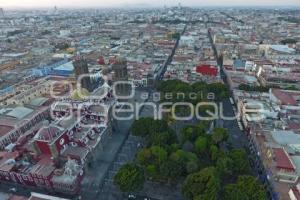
point(162, 100)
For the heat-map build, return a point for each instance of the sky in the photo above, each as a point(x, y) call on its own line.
point(160, 3)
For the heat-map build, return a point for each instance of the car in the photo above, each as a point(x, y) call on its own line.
point(131, 196)
point(12, 190)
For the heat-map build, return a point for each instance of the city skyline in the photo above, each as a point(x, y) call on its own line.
point(135, 99)
point(141, 3)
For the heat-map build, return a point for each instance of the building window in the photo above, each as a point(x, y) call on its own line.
point(47, 183)
point(41, 181)
point(25, 178)
point(36, 180)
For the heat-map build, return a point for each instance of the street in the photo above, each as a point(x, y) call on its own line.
point(237, 138)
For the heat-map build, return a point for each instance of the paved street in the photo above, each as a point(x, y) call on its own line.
point(237, 138)
point(119, 149)
point(127, 154)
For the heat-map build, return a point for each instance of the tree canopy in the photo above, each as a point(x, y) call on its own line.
point(224, 167)
point(246, 188)
point(208, 168)
point(192, 132)
point(202, 145)
point(220, 135)
point(241, 163)
point(246, 87)
point(202, 90)
point(145, 126)
point(167, 137)
point(130, 178)
point(204, 185)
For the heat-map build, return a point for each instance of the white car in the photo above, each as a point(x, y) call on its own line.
point(12, 190)
point(131, 196)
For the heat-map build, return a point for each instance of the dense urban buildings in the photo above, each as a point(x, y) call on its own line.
point(59, 135)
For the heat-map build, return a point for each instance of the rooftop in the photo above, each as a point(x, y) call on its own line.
point(19, 112)
point(44, 167)
point(38, 101)
point(48, 133)
point(284, 97)
point(282, 48)
point(66, 67)
point(5, 129)
point(282, 159)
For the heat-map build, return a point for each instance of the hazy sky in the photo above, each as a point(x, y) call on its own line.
point(120, 3)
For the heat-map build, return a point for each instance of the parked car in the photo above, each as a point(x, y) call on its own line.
point(131, 196)
point(12, 190)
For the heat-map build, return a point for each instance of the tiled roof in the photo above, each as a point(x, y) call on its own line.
point(284, 97)
point(48, 133)
point(282, 159)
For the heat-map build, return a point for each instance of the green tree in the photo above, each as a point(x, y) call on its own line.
point(192, 132)
point(192, 167)
point(171, 170)
point(172, 148)
point(162, 138)
point(130, 178)
point(171, 86)
point(201, 145)
point(253, 88)
point(159, 155)
point(233, 193)
point(144, 156)
point(215, 152)
point(187, 146)
point(224, 166)
point(145, 126)
point(161, 167)
point(141, 127)
point(240, 160)
point(151, 171)
point(186, 159)
point(200, 87)
point(184, 156)
point(154, 155)
point(188, 133)
point(246, 188)
point(204, 185)
point(219, 89)
point(219, 135)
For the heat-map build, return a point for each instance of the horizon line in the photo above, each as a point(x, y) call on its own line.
point(145, 6)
